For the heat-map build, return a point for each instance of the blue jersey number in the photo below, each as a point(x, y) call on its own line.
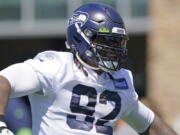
point(89, 109)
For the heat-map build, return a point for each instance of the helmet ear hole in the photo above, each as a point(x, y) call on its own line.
point(76, 39)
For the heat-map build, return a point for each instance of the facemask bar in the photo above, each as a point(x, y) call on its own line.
point(111, 49)
point(110, 58)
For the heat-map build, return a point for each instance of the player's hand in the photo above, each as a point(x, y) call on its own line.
point(3, 128)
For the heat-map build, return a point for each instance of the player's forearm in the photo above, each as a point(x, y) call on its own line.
point(4, 94)
point(159, 127)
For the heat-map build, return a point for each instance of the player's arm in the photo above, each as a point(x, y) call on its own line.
point(4, 96)
point(145, 122)
point(15, 81)
point(159, 127)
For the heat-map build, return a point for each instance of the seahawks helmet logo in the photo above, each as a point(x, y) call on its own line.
point(78, 17)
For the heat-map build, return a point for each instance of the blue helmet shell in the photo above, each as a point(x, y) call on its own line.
point(90, 16)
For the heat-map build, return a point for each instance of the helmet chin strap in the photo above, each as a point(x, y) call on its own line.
point(81, 61)
point(85, 64)
point(87, 40)
point(92, 67)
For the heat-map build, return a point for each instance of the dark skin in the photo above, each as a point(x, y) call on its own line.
point(158, 126)
point(4, 94)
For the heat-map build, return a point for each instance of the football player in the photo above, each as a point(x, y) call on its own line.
point(84, 91)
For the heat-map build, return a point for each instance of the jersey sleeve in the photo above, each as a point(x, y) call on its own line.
point(46, 66)
point(23, 80)
point(137, 115)
point(140, 117)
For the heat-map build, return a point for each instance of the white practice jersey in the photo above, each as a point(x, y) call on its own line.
point(64, 101)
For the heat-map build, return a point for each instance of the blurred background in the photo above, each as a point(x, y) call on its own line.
point(31, 26)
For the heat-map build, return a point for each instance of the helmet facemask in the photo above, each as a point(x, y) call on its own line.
point(111, 50)
point(107, 51)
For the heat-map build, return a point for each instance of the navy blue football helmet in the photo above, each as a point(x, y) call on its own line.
point(97, 37)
